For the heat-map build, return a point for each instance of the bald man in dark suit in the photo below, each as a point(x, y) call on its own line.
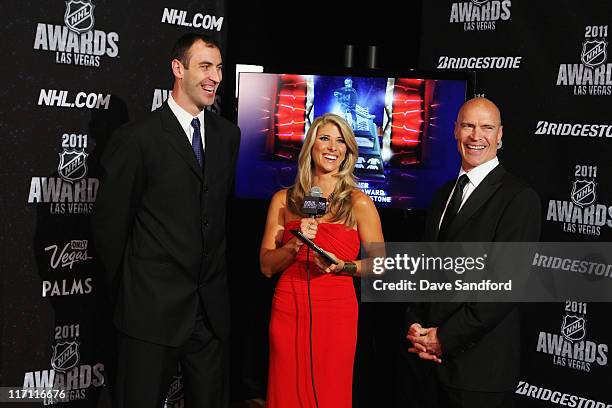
point(467, 354)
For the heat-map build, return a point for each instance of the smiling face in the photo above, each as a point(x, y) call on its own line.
point(477, 130)
point(328, 150)
point(196, 84)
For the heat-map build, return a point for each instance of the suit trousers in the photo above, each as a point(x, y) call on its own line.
point(454, 398)
point(419, 387)
point(145, 371)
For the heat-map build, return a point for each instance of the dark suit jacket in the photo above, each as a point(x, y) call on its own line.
point(159, 226)
point(481, 340)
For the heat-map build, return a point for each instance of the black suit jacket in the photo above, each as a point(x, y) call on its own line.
point(481, 340)
point(159, 226)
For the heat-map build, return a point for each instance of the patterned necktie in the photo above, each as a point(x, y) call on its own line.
point(196, 142)
point(453, 206)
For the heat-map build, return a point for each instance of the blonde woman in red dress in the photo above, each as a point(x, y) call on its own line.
point(312, 342)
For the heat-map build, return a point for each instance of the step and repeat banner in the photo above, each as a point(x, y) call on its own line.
point(74, 71)
point(546, 65)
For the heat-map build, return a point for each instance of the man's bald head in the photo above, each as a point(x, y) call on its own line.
point(483, 103)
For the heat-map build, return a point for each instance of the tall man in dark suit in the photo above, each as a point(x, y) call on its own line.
point(159, 228)
point(475, 345)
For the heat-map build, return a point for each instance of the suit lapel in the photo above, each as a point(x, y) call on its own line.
point(437, 208)
point(176, 136)
point(213, 149)
point(481, 195)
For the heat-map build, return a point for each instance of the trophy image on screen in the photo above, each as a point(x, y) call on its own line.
point(370, 160)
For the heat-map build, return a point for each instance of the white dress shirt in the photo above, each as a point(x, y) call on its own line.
point(185, 119)
point(475, 177)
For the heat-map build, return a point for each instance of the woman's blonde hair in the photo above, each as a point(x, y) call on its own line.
point(339, 205)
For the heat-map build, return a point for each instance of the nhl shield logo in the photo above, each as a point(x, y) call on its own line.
point(594, 53)
point(79, 16)
point(72, 165)
point(65, 356)
point(583, 192)
point(480, 2)
point(573, 328)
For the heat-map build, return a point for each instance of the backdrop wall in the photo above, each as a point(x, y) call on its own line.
point(546, 65)
point(74, 71)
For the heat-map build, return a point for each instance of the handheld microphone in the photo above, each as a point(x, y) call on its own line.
point(313, 202)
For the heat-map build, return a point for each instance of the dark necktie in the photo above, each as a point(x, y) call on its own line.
point(453, 206)
point(196, 142)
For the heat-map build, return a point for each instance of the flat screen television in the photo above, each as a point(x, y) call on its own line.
point(403, 125)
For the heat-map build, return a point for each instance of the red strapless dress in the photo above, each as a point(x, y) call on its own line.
point(334, 327)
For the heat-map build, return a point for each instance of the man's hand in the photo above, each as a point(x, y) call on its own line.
point(425, 342)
